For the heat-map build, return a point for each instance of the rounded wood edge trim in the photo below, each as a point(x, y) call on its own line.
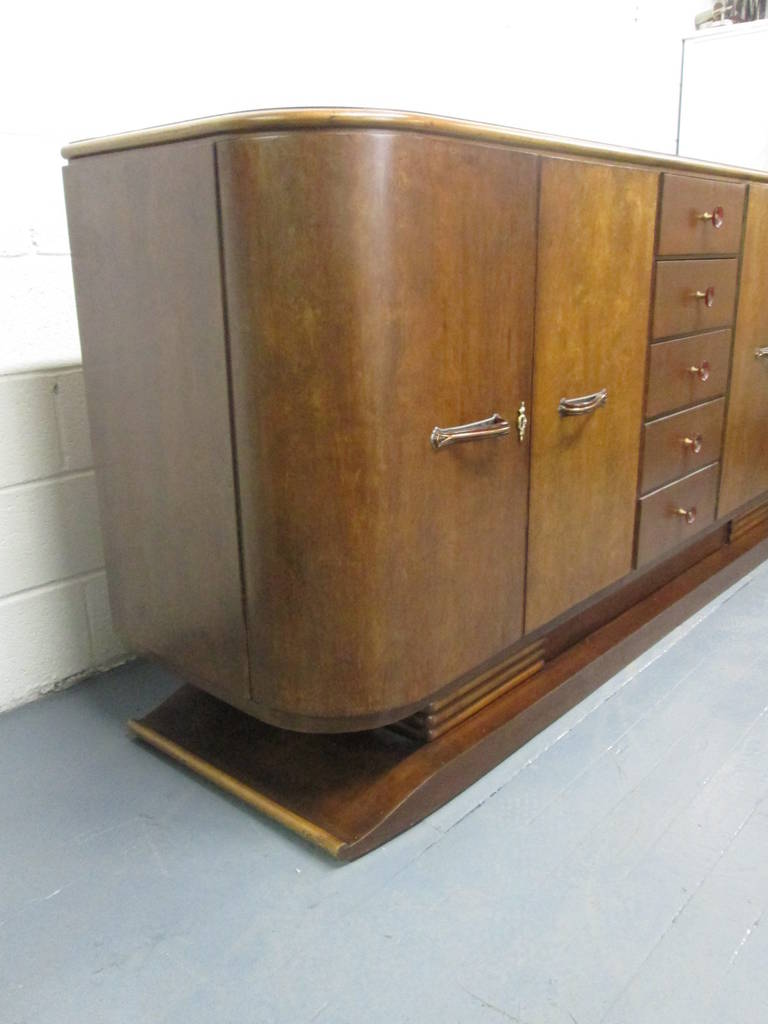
point(306, 829)
point(288, 119)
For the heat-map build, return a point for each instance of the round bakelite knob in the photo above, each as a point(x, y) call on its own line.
point(689, 514)
point(702, 372)
point(695, 443)
point(708, 296)
point(716, 217)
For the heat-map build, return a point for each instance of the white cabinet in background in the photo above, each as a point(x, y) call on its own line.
point(723, 94)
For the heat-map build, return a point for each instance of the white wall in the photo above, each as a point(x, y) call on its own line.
point(608, 71)
point(725, 78)
point(54, 614)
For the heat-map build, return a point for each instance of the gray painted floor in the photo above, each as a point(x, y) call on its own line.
point(614, 870)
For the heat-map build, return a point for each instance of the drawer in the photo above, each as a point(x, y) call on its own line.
point(679, 444)
point(693, 295)
point(700, 215)
point(686, 371)
point(662, 523)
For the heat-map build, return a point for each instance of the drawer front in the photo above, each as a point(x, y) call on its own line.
point(693, 295)
point(663, 527)
point(687, 371)
point(679, 444)
point(699, 215)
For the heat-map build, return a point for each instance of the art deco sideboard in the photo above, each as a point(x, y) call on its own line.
point(400, 423)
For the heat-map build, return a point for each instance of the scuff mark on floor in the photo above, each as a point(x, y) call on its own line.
point(745, 939)
point(491, 1006)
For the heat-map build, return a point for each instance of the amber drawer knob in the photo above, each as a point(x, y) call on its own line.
point(689, 514)
point(716, 216)
point(702, 372)
point(707, 296)
point(694, 443)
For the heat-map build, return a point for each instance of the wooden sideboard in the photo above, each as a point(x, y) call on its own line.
point(392, 413)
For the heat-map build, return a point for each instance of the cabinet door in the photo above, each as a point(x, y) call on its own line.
point(596, 232)
point(745, 452)
point(380, 284)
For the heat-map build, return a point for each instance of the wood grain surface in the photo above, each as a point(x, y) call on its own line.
point(350, 793)
point(677, 310)
point(684, 198)
point(273, 325)
point(380, 284)
point(660, 526)
point(745, 450)
point(145, 250)
point(666, 456)
point(593, 287)
point(672, 384)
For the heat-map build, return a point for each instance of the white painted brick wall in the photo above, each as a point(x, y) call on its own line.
point(606, 70)
point(44, 637)
point(54, 611)
point(49, 531)
point(37, 314)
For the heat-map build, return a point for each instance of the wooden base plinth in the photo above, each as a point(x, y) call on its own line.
point(350, 792)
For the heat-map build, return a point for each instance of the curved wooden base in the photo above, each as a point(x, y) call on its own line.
point(350, 792)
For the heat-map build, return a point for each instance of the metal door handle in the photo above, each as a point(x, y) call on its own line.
point(494, 426)
point(581, 406)
point(760, 353)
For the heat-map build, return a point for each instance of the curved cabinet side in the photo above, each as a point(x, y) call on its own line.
point(145, 255)
point(378, 285)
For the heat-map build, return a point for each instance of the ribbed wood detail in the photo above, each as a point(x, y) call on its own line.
point(756, 517)
point(446, 712)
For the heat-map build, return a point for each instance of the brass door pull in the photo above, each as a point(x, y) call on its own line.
point(716, 216)
point(494, 426)
point(689, 514)
point(702, 372)
point(695, 443)
point(761, 353)
point(583, 405)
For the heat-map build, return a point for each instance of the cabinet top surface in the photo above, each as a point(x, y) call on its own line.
point(328, 118)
